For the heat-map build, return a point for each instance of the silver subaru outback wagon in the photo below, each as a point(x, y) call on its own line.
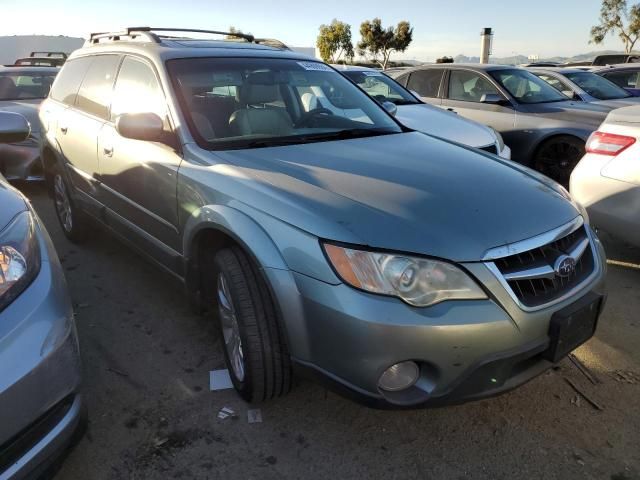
point(402, 269)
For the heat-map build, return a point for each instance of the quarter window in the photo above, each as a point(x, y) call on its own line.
point(68, 81)
point(623, 79)
point(137, 90)
point(94, 96)
point(426, 82)
point(469, 86)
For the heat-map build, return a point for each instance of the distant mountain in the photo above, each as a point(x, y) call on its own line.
point(520, 59)
point(18, 46)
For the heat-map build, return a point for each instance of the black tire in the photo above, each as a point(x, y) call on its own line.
point(265, 356)
point(75, 225)
point(557, 157)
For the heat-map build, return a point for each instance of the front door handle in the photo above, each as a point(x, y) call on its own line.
point(108, 151)
point(64, 130)
point(451, 110)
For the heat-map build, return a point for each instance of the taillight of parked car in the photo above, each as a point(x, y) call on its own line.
point(604, 143)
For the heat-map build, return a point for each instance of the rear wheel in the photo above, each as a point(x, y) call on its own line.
point(255, 349)
point(557, 157)
point(72, 220)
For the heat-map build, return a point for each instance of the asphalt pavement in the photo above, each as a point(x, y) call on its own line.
point(147, 360)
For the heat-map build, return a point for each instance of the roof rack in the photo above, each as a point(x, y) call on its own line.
point(150, 34)
point(48, 54)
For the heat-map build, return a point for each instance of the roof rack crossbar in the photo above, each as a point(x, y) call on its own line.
point(49, 54)
point(149, 32)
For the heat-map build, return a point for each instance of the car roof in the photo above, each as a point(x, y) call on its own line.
point(354, 68)
point(620, 66)
point(173, 48)
point(28, 69)
point(480, 67)
point(561, 70)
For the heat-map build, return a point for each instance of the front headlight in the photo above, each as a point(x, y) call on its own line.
point(499, 139)
point(417, 281)
point(19, 257)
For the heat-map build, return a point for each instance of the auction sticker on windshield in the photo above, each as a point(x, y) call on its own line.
point(315, 66)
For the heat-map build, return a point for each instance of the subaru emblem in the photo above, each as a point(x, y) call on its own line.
point(564, 266)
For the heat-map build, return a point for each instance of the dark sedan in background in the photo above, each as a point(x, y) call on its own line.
point(545, 129)
point(626, 76)
point(584, 86)
point(22, 89)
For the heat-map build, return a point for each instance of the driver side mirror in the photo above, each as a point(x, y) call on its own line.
point(492, 98)
point(141, 126)
point(390, 107)
point(14, 128)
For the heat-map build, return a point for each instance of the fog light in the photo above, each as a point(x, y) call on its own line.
point(399, 376)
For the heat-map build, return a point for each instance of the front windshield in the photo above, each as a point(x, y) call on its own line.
point(597, 86)
point(25, 85)
point(525, 87)
point(380, 87)
point(233, 103)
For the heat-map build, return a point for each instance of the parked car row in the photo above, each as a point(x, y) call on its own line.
point(339, 227)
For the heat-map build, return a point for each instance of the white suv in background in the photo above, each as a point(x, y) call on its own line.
point(607, 179)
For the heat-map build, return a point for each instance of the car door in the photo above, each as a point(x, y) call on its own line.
point(427, 84)
point(464, 94)
point(138, 178)
point(80, 88)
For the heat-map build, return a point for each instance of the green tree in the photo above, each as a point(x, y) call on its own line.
point(378, 43)
point(617, 17)
point(334, 42)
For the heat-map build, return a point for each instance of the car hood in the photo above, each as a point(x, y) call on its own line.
point(406, 192)
point(570, 111)
point(619, 103)
point(440, 123)
point(26, 108)
point(11, 203)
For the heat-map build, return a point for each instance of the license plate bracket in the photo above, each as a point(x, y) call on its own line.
point(572, 326)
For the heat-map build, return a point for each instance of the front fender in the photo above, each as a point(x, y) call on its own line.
point(237, 225)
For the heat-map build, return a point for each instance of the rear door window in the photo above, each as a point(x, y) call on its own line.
point(468, 86)
point(94, 96)
point(67, 84)
point(426, 82)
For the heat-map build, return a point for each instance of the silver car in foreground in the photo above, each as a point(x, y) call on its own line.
point(40, 405)
point(607, 179)
point(401, 268)
point(22, 89)
point(423, 117)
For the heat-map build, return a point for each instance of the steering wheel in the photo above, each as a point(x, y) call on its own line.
point(306, 117)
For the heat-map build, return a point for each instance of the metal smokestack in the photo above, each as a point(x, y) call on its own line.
point(486, 40)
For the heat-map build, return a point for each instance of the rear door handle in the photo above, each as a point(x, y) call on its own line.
point(64, 130)
point(108, 151)
point(451, 110)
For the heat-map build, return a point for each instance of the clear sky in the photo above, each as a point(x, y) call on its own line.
point(442, 27)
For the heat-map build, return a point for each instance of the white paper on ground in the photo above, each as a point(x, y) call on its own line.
point(219, 380)
point(254, 416)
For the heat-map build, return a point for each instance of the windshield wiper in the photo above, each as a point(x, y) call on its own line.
point(346, 134)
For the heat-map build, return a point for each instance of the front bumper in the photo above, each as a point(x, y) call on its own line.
point(465, 349)
point(40, 407)
point(21, 161)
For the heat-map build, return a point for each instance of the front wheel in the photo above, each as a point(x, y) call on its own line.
point(255, 349)
point(72, 220)
point(557, 157)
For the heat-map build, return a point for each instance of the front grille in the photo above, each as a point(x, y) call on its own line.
point(531, 275)
point(490, 149)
